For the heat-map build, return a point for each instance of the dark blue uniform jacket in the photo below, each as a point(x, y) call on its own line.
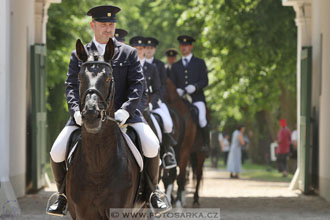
point(194, 74)
point(162, 76)
point(128, 77)
point(153, 86)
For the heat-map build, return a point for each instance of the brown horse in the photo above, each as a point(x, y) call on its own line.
point(188, 144)
point(104, 173)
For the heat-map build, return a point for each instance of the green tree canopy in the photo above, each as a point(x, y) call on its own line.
point(249, 47)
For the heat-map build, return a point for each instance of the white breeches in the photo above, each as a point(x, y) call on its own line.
point(201, 113)
point(58, 150)
point(149, 141)
point(166, 117)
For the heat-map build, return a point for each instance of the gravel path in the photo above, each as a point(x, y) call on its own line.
point(237, 199)
point(257, 200)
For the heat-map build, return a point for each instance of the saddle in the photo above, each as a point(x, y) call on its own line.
point(193, 110)
point(159, 119)
point(158, 124)
point(134, 143)
point(73, 144)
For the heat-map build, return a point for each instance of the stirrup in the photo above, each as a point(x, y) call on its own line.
point(52, 199)
point(170, 154)
point(163, 197)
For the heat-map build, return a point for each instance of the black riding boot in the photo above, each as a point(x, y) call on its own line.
point(59, 172)
point(152, 170)
point(206, 140)
point(172, 141)
point(168, 157)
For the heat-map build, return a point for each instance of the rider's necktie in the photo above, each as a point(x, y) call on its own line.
point(185, 62)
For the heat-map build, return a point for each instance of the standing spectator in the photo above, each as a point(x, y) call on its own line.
point(283, 149)
point(234, 164)
point(244, 149)
point(225, 146)
point(294, 144)
point(292, 163)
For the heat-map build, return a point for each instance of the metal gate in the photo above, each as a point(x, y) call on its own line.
point(305, 119)
point(37, 119)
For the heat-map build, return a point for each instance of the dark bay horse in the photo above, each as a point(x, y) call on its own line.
point(188, 145)
point(104, 173)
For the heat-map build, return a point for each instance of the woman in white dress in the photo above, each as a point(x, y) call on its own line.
point(234, 163)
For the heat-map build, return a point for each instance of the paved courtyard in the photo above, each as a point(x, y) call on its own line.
point(237, 199)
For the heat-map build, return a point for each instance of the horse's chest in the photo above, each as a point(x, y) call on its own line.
point(101, 187)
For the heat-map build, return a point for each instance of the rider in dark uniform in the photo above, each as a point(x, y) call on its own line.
point(149, 71)
point(120, 35)
point(189, 74)
point(154, 90)
point(129, 81)
point(171, 56)
point(168, 139)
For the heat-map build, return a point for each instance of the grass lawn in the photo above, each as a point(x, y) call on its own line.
point(255, 171)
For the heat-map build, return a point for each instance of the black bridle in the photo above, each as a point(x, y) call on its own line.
point(108, 102)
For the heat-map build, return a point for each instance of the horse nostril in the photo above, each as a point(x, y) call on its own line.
point(90, 107)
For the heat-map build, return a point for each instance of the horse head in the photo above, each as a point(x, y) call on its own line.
point(96, 87)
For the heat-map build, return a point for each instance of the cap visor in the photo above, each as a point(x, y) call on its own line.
point(106, 20)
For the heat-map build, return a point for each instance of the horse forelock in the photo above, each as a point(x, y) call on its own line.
point(90, 58)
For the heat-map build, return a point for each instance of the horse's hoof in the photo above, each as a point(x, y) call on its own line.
point(172, 200)
point(196, 204)
point(178, 204)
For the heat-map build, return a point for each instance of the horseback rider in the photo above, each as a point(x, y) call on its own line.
point(171, 56)
point(129, 81)
point(154, 90)
point(120, 35)
point(168, 140)
point(189, 74)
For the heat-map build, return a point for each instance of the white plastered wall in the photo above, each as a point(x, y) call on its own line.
point(322, 11)
point(21, 37)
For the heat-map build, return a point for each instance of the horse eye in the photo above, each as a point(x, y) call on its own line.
point(108, 79)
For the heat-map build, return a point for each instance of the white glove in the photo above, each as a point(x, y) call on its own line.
point(121, 116)
point(180, 91)
point(190, 89)
point(150, 106)
point(78, 118)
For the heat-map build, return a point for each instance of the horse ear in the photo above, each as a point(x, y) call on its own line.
point(80, 51)
point(109, 51)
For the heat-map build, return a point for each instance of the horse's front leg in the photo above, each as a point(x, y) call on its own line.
point(181, 183)
point(168, 179)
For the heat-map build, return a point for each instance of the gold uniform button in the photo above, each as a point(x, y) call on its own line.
point(186, 71)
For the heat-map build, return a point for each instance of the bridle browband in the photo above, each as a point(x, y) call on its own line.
point(108, 102)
